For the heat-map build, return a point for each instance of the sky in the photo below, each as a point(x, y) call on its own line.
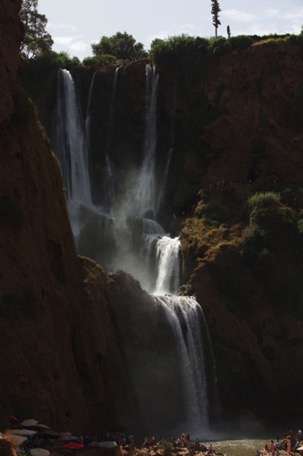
point(76, 24)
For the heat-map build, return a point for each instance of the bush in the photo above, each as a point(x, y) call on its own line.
point(263, 200)
point(99, 60)
point(241, 41)
point(253, 243)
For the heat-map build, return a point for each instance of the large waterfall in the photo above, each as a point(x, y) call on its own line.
point(130, 239)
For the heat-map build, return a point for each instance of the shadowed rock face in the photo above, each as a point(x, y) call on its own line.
point(67, 355)
point(59, 358)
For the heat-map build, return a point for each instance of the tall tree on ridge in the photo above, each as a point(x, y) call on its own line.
point(215, 10)
point(36, 39)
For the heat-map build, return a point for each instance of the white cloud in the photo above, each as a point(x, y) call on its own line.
point(272, 12)
point(238, 16)
point(64, 40)
point(55, 27)
point(293, 15)
point(79, 46)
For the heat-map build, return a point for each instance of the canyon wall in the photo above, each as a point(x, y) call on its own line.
point(236, 129)
point(60, 361)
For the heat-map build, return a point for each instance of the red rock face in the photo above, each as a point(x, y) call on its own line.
point(259, 90)
point(49, 300)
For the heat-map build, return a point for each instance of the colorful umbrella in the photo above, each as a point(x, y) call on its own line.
point(29, 422)
point(74, 445)
point(39, 452)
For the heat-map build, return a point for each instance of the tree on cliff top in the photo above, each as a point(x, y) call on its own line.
point(120, 45)
point(36, 40)
point(215, 10)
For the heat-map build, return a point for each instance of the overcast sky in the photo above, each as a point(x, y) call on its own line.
point(75, 24)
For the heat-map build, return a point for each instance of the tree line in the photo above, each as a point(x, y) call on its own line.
point(119, 46)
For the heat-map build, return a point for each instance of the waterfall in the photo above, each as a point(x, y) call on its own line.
point(72, 147)
point(171, 146)
point(168, 279)
point(145, 189)
point(89, 112)
point(185, 317)
point(109, 179)
point(133, 242)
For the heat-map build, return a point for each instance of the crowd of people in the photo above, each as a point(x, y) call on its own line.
point(292, 443)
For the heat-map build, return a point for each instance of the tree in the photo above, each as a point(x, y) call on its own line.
point(120, 45)
point(228, 31)
point(215, 10)
point(36, 40)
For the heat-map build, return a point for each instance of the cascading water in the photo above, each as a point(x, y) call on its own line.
point(136, 244)
point(145, 189)
point(70, 145)
point(186, 312)
point(69, 125)
point(171, 146)
point(109, 179)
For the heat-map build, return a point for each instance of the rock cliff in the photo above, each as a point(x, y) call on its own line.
point(70, 330)
point(58, 346)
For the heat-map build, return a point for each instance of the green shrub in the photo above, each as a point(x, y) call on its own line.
point(263, 200)
point(10, 212)
point(212, 212)
point(241, 41)
point(253, 243)
point(219, 46)
point(99, 60)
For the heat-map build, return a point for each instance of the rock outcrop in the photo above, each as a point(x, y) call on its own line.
point(60, 361)
point(69, 330)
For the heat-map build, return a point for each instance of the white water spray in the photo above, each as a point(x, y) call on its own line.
point(145, 189)
point(156, 262)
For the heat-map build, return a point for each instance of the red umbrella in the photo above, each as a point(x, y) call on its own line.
point(74, 445)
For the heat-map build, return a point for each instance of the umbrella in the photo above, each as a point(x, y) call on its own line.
point(42, 426)
point(39, 452)
point(48, 434)
point(74, 445)
point(23, 432)
point(29, 422)
point(70, 438)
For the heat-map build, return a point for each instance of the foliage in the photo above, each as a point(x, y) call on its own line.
point(271, 224)
point(10, 212)
point(212, 212)
point(241, 41)
point(215, 10)
point(194, 50)
point(99, 60)
point(36, 39)
point(263, 200)
point(121, 45)
point(34, 74)
point(166, 447)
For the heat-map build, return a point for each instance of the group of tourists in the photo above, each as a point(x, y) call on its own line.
point(292, 443)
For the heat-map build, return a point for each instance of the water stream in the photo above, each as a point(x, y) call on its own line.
point(153, 257)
